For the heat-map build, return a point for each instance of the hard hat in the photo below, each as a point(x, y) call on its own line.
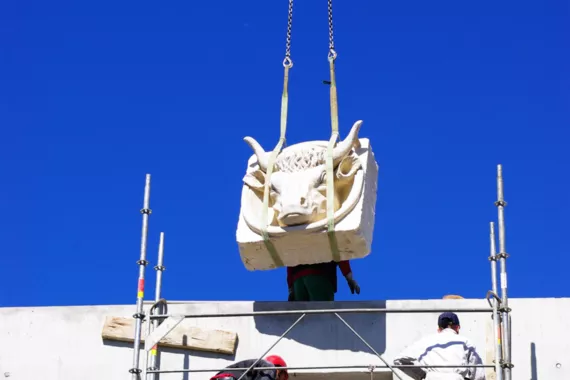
point(278, 361)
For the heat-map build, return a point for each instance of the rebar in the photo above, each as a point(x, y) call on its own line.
point(142, 262)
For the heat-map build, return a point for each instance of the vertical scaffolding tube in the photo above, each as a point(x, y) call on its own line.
point(139, 316)
point(152, 355)
point(503, 258)
point(496, 315)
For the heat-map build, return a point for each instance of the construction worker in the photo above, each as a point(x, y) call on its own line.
point(446, 347)
point(255, 374)
point(317, 282)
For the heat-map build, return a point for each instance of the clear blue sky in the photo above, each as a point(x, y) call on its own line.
point(94, 95)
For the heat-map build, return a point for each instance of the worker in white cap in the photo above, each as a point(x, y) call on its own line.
point(444, 348)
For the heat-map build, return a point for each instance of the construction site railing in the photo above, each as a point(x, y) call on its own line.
point(498, 307)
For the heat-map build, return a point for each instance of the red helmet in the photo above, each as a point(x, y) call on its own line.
point(278, 361)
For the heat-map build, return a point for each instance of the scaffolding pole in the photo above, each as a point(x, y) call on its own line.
point(363, 366)
point(332, 311)
point(142, 262)
point(495, 304)
point(506, 330)
point(152, 355)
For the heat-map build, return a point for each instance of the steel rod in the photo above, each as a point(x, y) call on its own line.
point(135, 370)
point(367, 367)
point(152, 355)
point(369, 346)
point(496, 315)
point(331, 311)
point(503, 256)
point(273, 345)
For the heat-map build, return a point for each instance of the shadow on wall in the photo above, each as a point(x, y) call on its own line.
point(326, 331)
point(533, 366)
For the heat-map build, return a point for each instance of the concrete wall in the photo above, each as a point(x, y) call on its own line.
point(64, 343)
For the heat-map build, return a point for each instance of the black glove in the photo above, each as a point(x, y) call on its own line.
point(352, 284)
point(291, 295)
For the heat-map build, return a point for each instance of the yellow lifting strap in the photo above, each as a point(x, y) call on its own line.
point(330, 173)
point(287, 64)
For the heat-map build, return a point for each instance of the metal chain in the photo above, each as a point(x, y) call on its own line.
point(332, 53)
point(287, 62)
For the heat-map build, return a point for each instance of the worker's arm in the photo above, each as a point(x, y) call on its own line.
point(409, 356)
point(289, 277)
point(345, 267)
point(475, 373)
point(347, 273)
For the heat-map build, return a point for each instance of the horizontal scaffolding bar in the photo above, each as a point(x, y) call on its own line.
point(366, 367)
point(331, 311)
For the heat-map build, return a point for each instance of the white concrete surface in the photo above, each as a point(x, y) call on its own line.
point(64, 343)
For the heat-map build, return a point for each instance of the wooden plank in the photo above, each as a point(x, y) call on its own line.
point(183, 337)
point(452, 297)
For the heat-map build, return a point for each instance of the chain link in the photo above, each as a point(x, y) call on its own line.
point(332, 52)
point(287, 62)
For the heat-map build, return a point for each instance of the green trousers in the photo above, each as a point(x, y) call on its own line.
point(313, 288)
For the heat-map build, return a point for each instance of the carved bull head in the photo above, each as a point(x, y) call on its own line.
point(298, 186)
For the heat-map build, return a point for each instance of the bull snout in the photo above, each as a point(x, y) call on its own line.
point(297, 207)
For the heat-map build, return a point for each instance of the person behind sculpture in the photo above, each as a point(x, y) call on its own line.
point(446, 347)
point(255, 374)
point(318, 282)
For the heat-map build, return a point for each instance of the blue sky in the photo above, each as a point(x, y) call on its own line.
point(94, 95)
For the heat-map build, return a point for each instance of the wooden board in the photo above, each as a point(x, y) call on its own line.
point(183, 337)
point(452, 297)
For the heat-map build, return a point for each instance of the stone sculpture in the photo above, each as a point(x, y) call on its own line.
point(297, 212)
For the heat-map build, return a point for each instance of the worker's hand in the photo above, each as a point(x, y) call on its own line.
point(291, 295)
point(352, 284)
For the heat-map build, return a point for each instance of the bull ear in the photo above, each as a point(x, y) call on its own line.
point(255, 180)
point(348, 167)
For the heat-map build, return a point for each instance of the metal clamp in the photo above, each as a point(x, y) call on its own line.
point(495, 296)
point(501, 203)
point(506, 364)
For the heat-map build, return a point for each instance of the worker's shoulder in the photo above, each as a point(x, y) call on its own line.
point(249, 362)
point(467, 341)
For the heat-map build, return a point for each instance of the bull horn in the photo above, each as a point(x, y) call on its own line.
point(342, 149)
point(262, 155)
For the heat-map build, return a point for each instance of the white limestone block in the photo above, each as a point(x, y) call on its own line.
point(297, 207)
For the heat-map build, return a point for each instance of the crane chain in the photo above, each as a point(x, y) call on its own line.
point(332, 52)
point(287, 62)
